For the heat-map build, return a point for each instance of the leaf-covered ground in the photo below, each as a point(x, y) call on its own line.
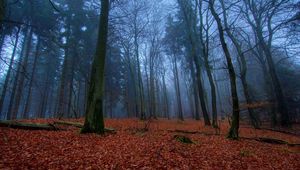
point(133, 148)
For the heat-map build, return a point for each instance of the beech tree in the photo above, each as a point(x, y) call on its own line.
point(234, 129)
point(94, 120)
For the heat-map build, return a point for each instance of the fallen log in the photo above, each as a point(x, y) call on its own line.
point(65, 123)
point(190, 132)
point(47, 126)
point(27, 126)
point(272, 141)
point(275, 130)
point(281, 131)
point(79, 125)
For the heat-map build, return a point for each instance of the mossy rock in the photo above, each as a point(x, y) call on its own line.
point(183, 139)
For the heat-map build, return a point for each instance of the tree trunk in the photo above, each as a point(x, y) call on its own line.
point(8, 75)
point(195, 89)
point(166, 100)
point(209, 73)
point(71, 86)
point(234, 129)
point(15, 84)
point(94, 121)
point(197, 63)
point(281, 101)
point(177, 89)
point(28, 98)
point(267, 80)
point(243, 67)
point(213, 93)
point(140, 83)
point(19, 91)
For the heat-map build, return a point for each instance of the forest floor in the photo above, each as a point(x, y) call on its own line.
point(133, 148)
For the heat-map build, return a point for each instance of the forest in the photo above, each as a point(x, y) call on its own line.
point(150, 84)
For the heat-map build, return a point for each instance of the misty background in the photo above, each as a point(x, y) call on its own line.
point(164, 58)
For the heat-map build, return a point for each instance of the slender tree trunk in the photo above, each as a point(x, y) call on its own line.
point(195, 89)
point(204, 47)
point(213, 93)
point(63, 79)
point(243, 68)
point(61, 94)
point(94, 121)
point(201, 95)
point(266, 48)
point(71, 88)
point(234, 129)
point(140, 83)
point(209, 73)
point(157, 112)
point(267, 80)
point(148, 107)
point(15, 84)
point(28, 98)
point(166, 100)
point(152, 92)
point(44, 98)
point(177, 89)
point(135, 88)
point(270, 92)
point(19, 91)
point(51, 102)
point(281, 101)
point(9, 71)
point(196, 59)
point(79, 92)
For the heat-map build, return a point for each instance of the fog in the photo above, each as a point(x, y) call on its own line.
point(164, 59)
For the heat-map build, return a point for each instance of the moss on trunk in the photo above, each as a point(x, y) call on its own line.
point(94, 121)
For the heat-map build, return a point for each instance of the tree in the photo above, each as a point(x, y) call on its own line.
point(234, 129)
point(94, 121)
point(243, 66)
point(205, 48)
point(190, 26)
point(9, 72)
point(256, 14)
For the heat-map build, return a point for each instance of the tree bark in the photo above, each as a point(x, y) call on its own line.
point(140, 83)
point(9, 71)
point(28, 98)
point(197, 63)
point(19, 91)
point(177, 89)
point(94, 121)
point(266, 48)
point(166, 99)
point(61, 95)
point(15, 84)
point(243, 68)
point(195, 89)
point(234, 129)
point(70, 92)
